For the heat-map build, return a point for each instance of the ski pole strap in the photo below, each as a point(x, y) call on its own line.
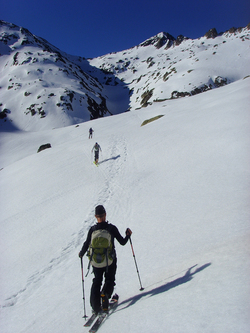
point(88, 269)
point(82, 268)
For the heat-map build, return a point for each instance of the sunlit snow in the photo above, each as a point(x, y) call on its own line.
point(181, 183)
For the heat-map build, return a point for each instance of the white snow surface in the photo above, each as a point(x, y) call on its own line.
point(181, 183)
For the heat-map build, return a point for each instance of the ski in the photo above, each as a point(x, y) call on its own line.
point(90, 321)
point(98, 322)
point(103, 316)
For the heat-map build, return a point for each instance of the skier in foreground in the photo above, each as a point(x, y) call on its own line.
point(96, 148)
point(102, 258)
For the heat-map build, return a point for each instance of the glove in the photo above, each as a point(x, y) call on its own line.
point(80, 255)
point(128, 232)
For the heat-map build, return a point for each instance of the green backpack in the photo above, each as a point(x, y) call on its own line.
point(100, 251)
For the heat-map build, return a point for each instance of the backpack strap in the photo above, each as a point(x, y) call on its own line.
point(94, 228)
point(89, 264)
point(107, 266)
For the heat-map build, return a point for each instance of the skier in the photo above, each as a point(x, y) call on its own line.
point(96, 148)
point(99, 299)
point(90, 132)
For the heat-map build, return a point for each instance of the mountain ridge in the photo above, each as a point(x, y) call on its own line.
point(54, 89)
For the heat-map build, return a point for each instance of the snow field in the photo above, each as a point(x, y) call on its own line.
point(181, 183)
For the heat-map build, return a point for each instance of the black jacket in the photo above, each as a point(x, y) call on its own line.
point(115, 234)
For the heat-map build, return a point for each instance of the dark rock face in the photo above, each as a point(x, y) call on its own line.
point(146, 97)
point(43, 147)
point(180, 39)
point(3, 114)
point(220, 81)
point(212, 33)
point(97, 110)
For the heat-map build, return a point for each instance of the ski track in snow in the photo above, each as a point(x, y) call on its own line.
point(108, 170)
point(111, 168)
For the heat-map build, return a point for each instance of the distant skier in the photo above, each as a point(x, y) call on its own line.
point(103, 262)
point(96, 148)
point(90, 132)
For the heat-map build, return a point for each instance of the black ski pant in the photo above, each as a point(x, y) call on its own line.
point(96, 155)
point(108, 287)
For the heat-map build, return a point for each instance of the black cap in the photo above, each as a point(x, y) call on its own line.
point(100, 210)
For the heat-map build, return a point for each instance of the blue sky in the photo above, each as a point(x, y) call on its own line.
point(91, 28)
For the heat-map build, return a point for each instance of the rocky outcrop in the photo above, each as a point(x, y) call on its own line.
point(43, 147)
point(97, 110)
point(212, 33)
point(3, 114)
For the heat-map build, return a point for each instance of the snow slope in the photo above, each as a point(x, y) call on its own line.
point(181, 183)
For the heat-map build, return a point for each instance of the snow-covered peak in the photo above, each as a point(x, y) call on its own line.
point(159, 40)
point(43, 87)
point(179, 68)
point(18, 37)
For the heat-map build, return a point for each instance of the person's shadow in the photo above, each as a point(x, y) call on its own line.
point(108, 159)
point(165, 287)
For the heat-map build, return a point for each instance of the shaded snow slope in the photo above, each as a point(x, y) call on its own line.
point(181, 183)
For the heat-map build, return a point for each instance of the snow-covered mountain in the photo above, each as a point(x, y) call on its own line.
point(162, 67)
point(53, 89)
point(45, 83)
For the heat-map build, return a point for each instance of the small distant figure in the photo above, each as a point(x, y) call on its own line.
point(96, 149)
point(90, 132)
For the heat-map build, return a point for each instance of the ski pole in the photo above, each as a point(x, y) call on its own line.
point(84, 308)
point(135, 263)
